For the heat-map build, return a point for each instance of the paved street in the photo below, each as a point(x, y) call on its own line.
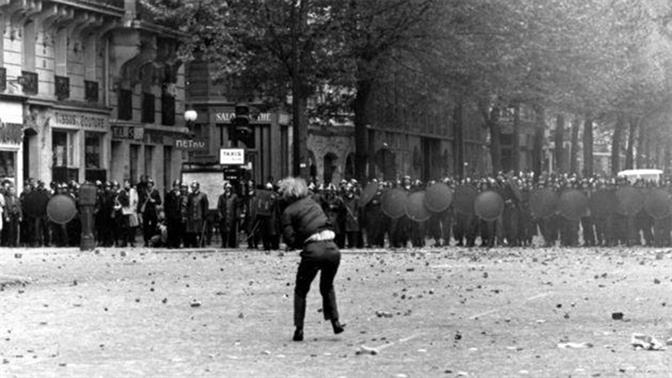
point(451, 312)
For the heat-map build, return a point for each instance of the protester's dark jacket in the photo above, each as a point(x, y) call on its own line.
point(301, 219)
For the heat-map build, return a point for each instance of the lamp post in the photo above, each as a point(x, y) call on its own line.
point(190, 116)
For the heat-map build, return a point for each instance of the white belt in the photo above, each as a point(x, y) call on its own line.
point(321, 236)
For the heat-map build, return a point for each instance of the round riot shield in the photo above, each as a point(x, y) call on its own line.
point(603, 203)
point(657, 204)
point(61, 209)
point(463, 199)
point(488, 205)
point(438, 197)
point(630, 200)
point(393, 203)
point(35, 203)
point(368, 193)
point(573, 204)
point(415, 207)
point(543, 203)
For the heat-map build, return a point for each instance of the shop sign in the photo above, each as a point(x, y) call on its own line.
point(225, 117)
point(127, 132)
point(232, 156)
point(195, 144)
point(79, 120)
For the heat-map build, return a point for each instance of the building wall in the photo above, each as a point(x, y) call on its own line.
point(70, 128)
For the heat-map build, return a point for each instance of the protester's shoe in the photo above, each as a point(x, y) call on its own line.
point(337, 326)
point(298, 335)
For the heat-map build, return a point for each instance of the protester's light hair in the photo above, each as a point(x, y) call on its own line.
point(293, 188)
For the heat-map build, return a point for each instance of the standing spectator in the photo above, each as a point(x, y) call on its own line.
point(27, 232)
point(128, 198)
point(351, 224)
point(197, 211)
point(174, 216)
point(12, 217)
point(41, 222)
point(228, 210)
point(152, 199)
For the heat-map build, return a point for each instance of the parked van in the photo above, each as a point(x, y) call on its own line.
point(633, 175)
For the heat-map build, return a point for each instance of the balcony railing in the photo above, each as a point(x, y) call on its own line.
point(62, 87)
point(29, 82)
point(91, 91)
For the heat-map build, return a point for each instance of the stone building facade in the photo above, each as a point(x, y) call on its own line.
point(89, 90)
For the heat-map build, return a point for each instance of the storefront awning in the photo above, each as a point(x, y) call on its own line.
point(11, 112)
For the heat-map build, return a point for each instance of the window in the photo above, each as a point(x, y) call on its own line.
point(133, 162)
point(7, 165)
point(149, 160)
point(148, 108)
point(62, 147)
point(125, 104)
point(92, 150)
point(64, 167)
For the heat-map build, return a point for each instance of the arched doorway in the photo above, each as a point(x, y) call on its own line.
point(329, 167)
point(386, 163)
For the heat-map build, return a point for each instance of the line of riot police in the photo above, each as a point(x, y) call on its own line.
point(503, 210)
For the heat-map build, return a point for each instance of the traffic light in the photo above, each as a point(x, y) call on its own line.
point(241, 124)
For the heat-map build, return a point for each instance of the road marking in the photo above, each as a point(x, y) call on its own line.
point(403, 340)
point(532, 298)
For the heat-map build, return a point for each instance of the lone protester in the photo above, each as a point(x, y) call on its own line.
point(305, 226)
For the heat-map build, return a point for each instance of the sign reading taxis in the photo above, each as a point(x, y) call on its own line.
point(195, 144)
point(232, 156)
point(127, 132)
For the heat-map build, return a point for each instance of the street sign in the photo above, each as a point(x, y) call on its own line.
point(232, 173)
point(232, 156)
point(191, 144)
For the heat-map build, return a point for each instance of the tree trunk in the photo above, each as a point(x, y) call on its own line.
point(538, 147)
point(300, 166)
point(495, 141)
point(559, 138)
point(458, 141)
point(515, 147)
point(588, 147)
point(574, 152)
point(629, 158)
point(299, 95)
point(641, 141)
point(616, 145)
point(361, 130)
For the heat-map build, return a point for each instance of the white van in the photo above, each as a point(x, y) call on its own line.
point(633, 175)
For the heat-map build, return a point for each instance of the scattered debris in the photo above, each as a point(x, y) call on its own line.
point(384, 314)
point(617, 315)
point(363, 349)
point(646, 342)
point(572, 345)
